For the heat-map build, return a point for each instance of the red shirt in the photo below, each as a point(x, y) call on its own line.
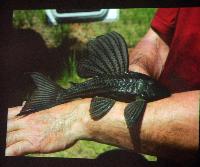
point(180, 29)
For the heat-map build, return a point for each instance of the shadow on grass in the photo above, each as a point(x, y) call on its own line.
point(121, 158)
point(27, 52)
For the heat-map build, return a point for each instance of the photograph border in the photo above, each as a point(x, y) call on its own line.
point(6, 18)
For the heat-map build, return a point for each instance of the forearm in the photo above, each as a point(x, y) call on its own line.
point(149, 55)
point(168, 127)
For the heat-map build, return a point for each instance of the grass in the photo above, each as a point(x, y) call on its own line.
point(133, 24)
point(36, 20)
point(82, 149)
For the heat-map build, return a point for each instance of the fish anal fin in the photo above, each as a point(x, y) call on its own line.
point(100, 106)
point(133, 112)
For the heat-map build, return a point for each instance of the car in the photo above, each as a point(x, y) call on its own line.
point(56, 16)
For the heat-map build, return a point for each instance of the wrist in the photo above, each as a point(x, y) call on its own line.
point(110, 129)
point(83, 118)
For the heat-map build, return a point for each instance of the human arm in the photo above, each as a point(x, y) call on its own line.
point(149, 55)
point(169, 127)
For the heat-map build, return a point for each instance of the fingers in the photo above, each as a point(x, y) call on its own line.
point(15, 124)
point(15, 137)
point(12, 112)
point(20, 148)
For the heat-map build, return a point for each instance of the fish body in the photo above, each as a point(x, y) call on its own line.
point(125, 87)
point(109, 80)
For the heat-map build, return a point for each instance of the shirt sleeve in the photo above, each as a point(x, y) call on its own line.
point(164, 23)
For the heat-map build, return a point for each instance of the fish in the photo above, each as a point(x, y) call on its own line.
point(108, 80)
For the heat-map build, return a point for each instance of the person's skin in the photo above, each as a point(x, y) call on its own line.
point(169, 127)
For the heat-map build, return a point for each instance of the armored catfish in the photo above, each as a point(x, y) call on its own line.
point(109, 80)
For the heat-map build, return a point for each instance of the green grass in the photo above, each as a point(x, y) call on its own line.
point(82, 149)
point(133, 24)
point(36, 20)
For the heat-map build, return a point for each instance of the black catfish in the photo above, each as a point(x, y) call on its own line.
point(106, 65)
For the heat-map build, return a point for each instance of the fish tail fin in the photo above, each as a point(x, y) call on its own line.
point(46, 95)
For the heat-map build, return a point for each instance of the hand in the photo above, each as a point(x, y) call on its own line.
point(45, 131)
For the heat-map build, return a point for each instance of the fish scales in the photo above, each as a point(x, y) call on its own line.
point(122, 85)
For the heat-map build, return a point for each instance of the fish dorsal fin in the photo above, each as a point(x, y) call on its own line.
point(44, 96)
point(106, 55)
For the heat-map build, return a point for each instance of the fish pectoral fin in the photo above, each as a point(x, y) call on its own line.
point(44, 96)
point(133, 111)
point(100, 106)
point(105, 55)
